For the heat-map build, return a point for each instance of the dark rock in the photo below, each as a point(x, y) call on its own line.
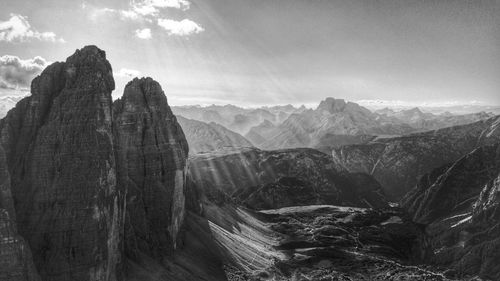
point(459, 204)
point(151, 161)
point(397, 163)
point(59, 148)
point(456, 188)
point(16, 261)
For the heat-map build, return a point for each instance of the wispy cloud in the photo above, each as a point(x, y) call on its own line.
point(152, 7)
point(143, 33)
point(16, 73)
point(149, 11)
point(18, 29)
point(125, 72)
point(144, 10)
point(181, 28)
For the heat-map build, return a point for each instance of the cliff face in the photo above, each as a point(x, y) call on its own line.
point(151, 158)
point(16, 261)
point(460, 205)
point(59, 148)
point(397, 163)
point(94, 183)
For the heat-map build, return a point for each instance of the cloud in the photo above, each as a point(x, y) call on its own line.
point(181, 28)
point(143, 33)
point(148, 11)
point(140, 10)
point(125, 72)
point(18, 29)
point(128, 14)
point(16, 73)
point(151, 7)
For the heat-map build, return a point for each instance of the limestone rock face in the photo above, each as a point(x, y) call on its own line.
point(397, 163)
point(16, 261)
point(151, 158)
point(59, 149)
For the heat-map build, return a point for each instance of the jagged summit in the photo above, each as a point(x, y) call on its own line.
point(145, 92)
point(332, 105)
point(88, 66)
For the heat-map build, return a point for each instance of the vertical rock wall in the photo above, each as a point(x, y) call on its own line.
point(93, 183)
point(16, 261)
point(151, 151)
point(59, 148)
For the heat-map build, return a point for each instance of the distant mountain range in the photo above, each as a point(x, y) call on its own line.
point(7, 103)
point(333, 123)
point(236, 118)
point(203, 137)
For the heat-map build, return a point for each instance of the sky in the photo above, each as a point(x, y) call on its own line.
point(266, 52)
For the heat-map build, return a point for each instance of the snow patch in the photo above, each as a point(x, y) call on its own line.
point(462, 221)
point(392, 220)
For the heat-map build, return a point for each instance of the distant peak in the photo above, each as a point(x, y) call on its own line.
point(332, 105)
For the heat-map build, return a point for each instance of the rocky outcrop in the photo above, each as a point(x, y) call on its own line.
point(59, 149)
point(397, 163)
point(271, 179)
point(151, 162)
point(16, 261)
point(459, 204)
point(204, 137)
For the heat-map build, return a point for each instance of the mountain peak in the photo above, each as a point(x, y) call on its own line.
point(415, 110)
point(146, 85)
point(88, 68)
point(331, 105)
